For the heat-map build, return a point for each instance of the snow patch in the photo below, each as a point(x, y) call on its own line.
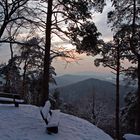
point(131, 137)
point(26, 123)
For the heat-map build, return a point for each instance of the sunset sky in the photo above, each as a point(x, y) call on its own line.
point(86, 63)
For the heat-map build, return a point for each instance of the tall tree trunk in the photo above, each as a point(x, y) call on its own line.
point(10, 70)
point(45, 84)
point(24, 86)
point(11, 50)
point(118, 95)
point(138, 101)
point(132, 45)
point(3, 27)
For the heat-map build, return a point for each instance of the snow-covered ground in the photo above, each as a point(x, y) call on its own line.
point(25, 123)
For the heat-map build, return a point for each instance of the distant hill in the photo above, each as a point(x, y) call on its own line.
point(68, 79)
point(102, 89)
point(85, 96)
point(73, 88)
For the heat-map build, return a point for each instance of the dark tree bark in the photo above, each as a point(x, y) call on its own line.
point(138, 101)
point(45, 84)
point(133, 46)
point(11, 50)
point(24, 89)
point(118, 94)
point(6, 18)
point(2, 29)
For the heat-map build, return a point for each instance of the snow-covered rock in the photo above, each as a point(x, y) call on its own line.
point(131, 137)
point(25, 123)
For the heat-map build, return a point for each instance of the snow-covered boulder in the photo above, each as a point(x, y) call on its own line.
point(26, 123)
point(131, 137)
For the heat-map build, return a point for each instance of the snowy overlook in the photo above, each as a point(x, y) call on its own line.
point(25, 123)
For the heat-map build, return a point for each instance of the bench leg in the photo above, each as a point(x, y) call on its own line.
point(16, 104)
point(52, 130)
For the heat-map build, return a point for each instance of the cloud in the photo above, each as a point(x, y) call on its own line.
point(100, 20)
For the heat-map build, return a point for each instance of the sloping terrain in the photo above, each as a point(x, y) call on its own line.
point(93, 100)
point(25, 123)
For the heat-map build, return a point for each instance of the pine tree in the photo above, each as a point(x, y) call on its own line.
point(72, 14)
point(128, 113)
point(12, 76)
point(125, 19)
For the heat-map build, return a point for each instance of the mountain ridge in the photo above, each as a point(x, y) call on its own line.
point(68, 79)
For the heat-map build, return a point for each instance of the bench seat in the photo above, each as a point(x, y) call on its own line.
point(51, 118)
point(54, 120)
point(9, 98)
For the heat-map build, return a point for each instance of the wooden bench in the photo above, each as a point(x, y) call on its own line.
point(51, 118)
point(9, 98)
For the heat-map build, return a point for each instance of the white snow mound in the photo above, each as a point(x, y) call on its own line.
point(131, 137)
point(25, 123)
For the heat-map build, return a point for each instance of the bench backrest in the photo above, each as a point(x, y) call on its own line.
point(9, 95)
point(10, 98)
point(46, 112)
point(46, 109)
